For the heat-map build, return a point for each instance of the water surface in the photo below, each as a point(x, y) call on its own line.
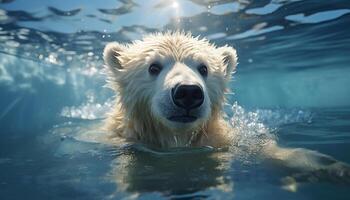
point(291, 83)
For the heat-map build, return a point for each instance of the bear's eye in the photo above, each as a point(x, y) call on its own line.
point(203, 70)
point(154, 68)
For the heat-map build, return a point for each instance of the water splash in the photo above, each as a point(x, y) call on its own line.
point(277, 117)
point(260, 126)
point(251, 131)
point(88, 110)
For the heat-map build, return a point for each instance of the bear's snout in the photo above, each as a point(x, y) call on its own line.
point(187, 96)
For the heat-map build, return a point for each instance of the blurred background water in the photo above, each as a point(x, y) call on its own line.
point(293, 78)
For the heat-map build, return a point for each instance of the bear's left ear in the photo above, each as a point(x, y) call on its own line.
point(111, 56)
point(229, 58)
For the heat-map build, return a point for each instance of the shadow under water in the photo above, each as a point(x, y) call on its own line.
point(175, 172)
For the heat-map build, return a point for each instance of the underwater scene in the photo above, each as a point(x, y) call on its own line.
point(292, 84)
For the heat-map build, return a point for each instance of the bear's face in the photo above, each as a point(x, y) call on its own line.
point(172, 79)
point(181, 98)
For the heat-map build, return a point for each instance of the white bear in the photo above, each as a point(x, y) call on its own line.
point(170, 90)
point(170, 93)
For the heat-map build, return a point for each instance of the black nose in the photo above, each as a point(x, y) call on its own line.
point(188, 96)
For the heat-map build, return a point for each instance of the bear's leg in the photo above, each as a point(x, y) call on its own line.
point(307, 165)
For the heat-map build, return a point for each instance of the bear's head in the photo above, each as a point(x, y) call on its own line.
point(169, 80)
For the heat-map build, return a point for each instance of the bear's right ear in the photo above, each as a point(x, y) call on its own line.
point(111, 55)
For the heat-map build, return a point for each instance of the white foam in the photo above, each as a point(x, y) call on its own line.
point(252, 132)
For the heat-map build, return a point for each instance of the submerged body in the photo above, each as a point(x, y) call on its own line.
point(171, 92)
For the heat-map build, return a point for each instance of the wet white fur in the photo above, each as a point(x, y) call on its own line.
point(142, 98)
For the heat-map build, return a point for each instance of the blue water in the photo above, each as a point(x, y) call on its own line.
point(292, 81)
